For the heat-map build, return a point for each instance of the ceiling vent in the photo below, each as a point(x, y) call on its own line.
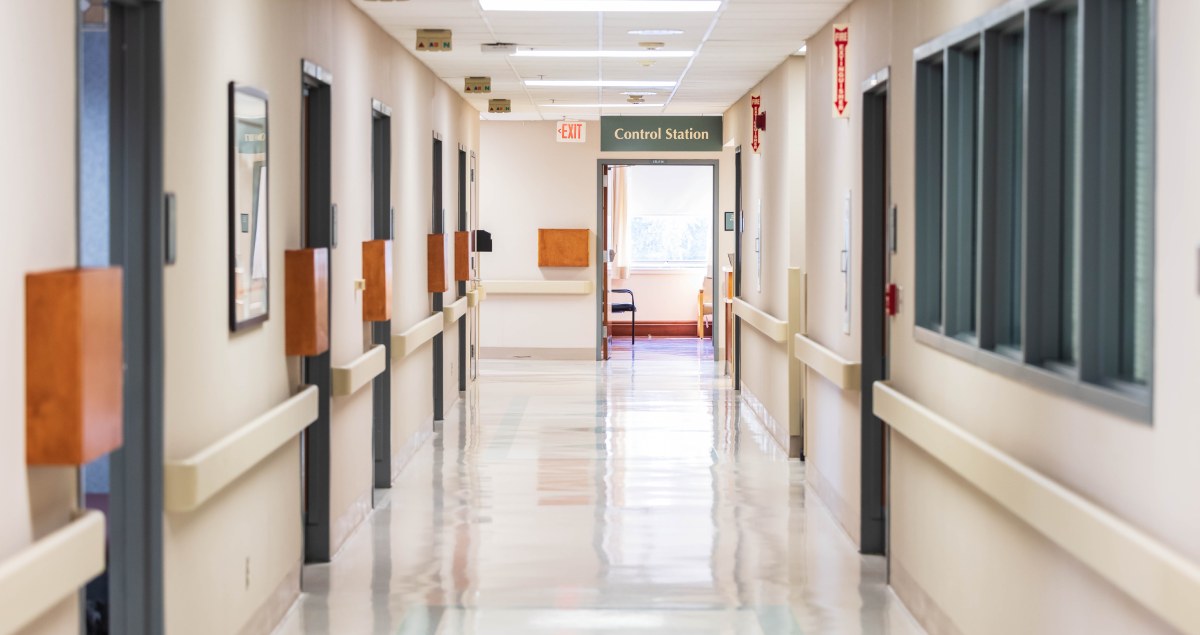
point(507, 48)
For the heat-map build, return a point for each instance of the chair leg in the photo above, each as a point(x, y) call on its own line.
point(632, 327)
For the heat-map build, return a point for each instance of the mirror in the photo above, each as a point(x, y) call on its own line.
point(249, 254)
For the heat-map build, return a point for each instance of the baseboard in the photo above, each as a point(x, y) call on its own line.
point(920, 605)
point(350, 520)
point(658, 329)
point(779, 433)
point(410, 448)
point(277, 605)
point(554, 354)
point(849, 519)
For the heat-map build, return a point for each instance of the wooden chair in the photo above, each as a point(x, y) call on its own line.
point(704, 307)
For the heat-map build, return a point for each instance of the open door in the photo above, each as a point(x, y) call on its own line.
point(874, 332)
point(605, 273)
point(472, 225)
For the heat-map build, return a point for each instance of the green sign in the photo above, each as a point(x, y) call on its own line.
point(661, 134)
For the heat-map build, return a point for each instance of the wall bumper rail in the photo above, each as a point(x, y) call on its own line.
point(476, 297)
point(50, 570)
point(455, 311)
point(844, 373)
point(351, 378)
point(1152, 574)
point(406, 343)
point(539, 287)
point(762, 321)
point(190, 482)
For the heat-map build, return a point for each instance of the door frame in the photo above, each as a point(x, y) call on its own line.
point(874, 276)
point(383, 227)
point(738, 229)
point(717, 226)
point(438, 226)
point(138, 241)
point(463, 223)
point(318, 221)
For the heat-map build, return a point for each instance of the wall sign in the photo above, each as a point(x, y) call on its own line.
point(661, 134)
point(841, 95)
point(755, 107)
point(571, 132)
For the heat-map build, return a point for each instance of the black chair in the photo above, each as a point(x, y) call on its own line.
point(629, 307)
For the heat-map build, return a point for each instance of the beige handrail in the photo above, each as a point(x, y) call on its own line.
point(406, 343)
point(50, 570)
point(351, 378)
point(841, 371)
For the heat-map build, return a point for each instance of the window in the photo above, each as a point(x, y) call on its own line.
point(669, 211)
point(1035, 196)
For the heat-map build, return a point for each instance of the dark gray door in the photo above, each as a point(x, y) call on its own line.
point(381, 332)
point(438, 226)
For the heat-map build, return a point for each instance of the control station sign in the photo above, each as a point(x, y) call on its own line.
point(661, 134)
point(572, 132)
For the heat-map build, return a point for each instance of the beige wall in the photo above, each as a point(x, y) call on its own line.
point(661, 296)
point(946, 537)
point(37, 172)
point(773, 186)
point(530, 181)
point(233, 563)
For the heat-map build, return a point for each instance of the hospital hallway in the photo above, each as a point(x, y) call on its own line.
point(576, 497)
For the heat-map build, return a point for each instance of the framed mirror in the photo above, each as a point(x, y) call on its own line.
point(249, 246)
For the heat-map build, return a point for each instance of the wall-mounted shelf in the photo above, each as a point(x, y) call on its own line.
point(74, 366)
point(436, 262)
point(306, 299)
point(462, 256)
point(377, 271)
point(564, 247)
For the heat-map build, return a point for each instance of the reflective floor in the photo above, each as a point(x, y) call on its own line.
point(572, 497)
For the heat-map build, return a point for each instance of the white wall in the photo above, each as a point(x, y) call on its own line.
point(946, 537)
point(530, 181)
point(37, 174)
point(234, 563)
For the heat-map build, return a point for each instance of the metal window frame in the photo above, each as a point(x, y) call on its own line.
point(960, 191)
point(930, 77)
point(1095, 380)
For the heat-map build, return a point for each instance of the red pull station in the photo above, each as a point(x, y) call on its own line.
point(892, 300)
point(760, 121)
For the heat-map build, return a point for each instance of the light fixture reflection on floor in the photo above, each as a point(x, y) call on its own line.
point(593, 83)
point(597, 54)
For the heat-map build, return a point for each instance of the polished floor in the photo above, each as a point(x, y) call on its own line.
point(660, 348)
point(582, 498)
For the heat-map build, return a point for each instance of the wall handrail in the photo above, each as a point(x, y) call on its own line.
point(844, 373)
point(539, 287)
point(1151, 573)
point(475, 297)
point(351, 378)
point(455, 311)
point(189, 483)
point(764, 322)
point(50, 570)
point(406, 343)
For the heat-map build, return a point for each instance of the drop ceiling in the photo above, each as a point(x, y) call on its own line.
point(735, 47)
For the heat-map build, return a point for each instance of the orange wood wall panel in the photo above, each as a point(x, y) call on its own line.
point(436, 251)
point(306, 300)
point(564, 247)
point(462, 256)
point(73, 366)
point(377, 271)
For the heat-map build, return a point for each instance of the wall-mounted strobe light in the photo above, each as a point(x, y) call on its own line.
point(593, 6)
point(434, 40)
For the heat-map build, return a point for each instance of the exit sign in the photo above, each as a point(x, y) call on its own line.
point(572, 132)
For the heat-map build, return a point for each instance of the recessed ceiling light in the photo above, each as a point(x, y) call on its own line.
point(639, 93)
point(593, 83)
point(600, 105)
point(634, 54)
point(803, 49)
point(627, 6)
point(656, 32)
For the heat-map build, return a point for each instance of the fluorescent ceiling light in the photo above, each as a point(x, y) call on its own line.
point(803, 49)
point(592, 83)
point(656, 32)
point(632, 54)
point(627, 6)
point(639, 93)
point(601, 105)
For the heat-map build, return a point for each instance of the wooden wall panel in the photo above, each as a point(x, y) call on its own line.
point(564, 247)
point(436, 253)
point(377, 271)
point(306, 301)
point(73, 366)
point(462, 256)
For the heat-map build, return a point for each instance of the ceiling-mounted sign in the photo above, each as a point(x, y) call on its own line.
point(500, 105)
point(841, 94)
point(477, 85)
point(661, 134)
point(431, 40)
point(571, 132)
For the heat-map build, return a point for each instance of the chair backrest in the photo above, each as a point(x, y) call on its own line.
point(708, 289)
